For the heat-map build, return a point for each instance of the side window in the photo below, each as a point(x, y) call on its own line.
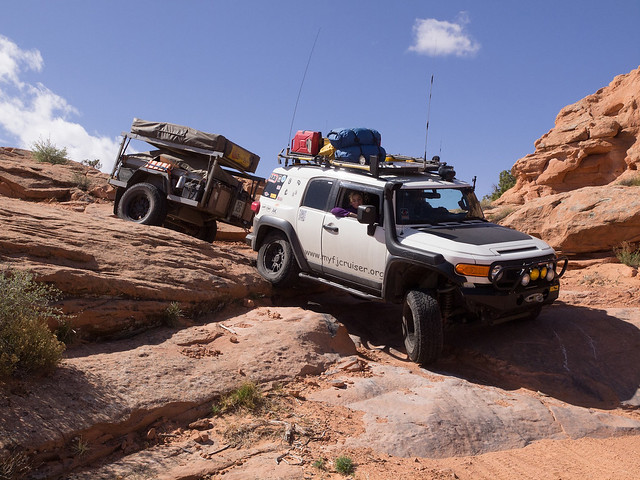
point(317, 194)
point(361, 194)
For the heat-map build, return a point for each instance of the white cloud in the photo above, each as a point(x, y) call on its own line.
point(441, 38)
point(33, 112)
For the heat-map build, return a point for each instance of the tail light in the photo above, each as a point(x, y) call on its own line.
point(255, 207)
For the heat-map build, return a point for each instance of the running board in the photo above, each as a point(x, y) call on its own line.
point(350, 290)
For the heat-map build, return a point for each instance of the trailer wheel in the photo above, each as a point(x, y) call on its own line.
point(276, 262)
point(208, 231)
point(422, 327)
point(143, 203)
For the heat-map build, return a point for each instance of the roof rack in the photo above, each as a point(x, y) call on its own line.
point(392, 164)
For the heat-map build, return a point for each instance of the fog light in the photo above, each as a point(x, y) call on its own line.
point(551, 274)
point(543, 272)
point(525, 280)
point(534, 274)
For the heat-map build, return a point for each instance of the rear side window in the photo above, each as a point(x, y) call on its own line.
point(274, 185)
point(317, 194)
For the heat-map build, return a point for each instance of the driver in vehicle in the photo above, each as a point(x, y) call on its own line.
point(355, 200)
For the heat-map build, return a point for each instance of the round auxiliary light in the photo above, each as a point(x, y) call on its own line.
point(496, 273)
point(543, 272)
point(525, 280)
point(551, 273)
point(535, 274)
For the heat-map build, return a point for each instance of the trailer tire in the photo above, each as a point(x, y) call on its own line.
point(276, 261)
point(143, 203)
point(208, 231)
point(422, 327)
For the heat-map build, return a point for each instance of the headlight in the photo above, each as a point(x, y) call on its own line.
point(496, 273)
point(525, 280)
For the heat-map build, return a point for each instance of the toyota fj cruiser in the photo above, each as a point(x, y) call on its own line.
point(419, 239)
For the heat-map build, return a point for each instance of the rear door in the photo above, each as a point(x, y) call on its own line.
point(311, 216)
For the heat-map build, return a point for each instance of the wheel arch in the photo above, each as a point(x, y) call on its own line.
point(265, 225)
point(159, 180)
point(402, 275)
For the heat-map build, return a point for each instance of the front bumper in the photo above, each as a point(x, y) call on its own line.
point(492, 304)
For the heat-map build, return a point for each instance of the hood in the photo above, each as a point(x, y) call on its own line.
point(474, 239)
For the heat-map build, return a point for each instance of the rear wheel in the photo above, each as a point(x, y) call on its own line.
point(276, 262)
point(422, 327)
point(208, 231)
point(143, 203)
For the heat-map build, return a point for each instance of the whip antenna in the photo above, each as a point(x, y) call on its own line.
point(426, 135)
point(302, 83)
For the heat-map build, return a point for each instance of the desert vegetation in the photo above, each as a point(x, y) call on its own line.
point(27, 345)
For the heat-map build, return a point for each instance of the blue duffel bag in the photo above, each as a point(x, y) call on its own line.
point(353, 153)
point(348, 137)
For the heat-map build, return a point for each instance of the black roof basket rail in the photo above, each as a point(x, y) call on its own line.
point(392, 164)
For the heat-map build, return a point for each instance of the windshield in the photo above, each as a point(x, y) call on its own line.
point(436, 205)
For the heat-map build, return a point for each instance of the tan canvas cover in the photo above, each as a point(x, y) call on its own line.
point(234, 156)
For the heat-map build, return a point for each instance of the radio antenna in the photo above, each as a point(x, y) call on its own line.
point(426, 135)
point(301, 84)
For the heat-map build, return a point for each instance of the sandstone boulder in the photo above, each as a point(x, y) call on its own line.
point(590, 219)
point(594, 142)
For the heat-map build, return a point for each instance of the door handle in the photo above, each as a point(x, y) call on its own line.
point(330, 228)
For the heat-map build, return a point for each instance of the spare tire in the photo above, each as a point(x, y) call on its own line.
point(143, 203)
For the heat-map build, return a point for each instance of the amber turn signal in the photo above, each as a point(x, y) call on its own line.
point(472, 270)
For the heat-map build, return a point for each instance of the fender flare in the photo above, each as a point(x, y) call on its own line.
point(265, 224)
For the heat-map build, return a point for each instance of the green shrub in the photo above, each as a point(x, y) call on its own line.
point(505, 182)
point(344, 465)
point(92, 163)
point(47, 152)
point(81, 181)
point(247, 397)
point(628, 254)
point(172, 315)
point(26, 343)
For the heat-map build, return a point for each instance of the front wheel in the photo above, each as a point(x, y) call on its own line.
point(143, 203)
point(276, 262)
point(422, 327)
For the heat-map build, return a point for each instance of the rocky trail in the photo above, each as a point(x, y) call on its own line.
point(138, 393)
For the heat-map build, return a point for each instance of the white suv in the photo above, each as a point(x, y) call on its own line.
point(420, 239)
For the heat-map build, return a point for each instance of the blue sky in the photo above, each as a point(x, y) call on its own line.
point(77, 71)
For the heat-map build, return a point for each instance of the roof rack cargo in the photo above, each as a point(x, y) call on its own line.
point(392, 164)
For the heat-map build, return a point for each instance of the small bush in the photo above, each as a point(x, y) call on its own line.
point(26, 343)
point(344, 465)
point(81, 181)
point(319, 464)
point(47, 152)
point(501, 214)
point(92, 163)
point(505, 182)
point(14, 465)
point(246, 397)
point(630, 182)
point(628, 254)
point(172, 315)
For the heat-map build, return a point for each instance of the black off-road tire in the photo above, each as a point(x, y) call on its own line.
point(208, 231)
point(143, 203)
point(422, 327)
point(276, 261)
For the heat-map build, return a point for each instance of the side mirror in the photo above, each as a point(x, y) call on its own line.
point(368, 214)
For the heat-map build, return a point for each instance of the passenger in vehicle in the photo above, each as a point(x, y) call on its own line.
point(355, 200)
